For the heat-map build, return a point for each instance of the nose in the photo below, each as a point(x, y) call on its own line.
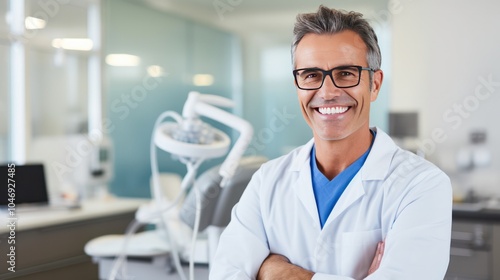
point(329, 91)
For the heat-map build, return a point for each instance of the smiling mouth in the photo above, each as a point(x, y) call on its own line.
point(332, 110)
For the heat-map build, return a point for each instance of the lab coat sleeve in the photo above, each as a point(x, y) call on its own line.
point(243, 244)
point(418, 244)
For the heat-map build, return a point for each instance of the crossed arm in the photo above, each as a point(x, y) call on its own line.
point(278, 267)
point(423, 221)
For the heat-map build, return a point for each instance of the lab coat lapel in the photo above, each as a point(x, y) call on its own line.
point(303, 185)
point(304, 191)
point(351, 194)
point(375, 168)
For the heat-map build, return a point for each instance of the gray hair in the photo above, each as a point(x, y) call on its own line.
point(331, 21)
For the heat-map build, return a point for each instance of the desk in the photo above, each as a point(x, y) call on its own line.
point(49, 243)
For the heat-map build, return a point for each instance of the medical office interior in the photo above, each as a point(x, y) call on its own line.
point(83, 84)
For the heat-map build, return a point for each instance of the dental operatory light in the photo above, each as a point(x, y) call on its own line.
point(191, 141)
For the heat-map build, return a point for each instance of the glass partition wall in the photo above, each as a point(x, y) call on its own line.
point(4, 80)
point(50, 72)
point(4, 109)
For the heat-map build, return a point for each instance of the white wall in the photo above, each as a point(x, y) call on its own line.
point(443, 54)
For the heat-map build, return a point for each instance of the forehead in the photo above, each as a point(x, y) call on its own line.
point(330, 50)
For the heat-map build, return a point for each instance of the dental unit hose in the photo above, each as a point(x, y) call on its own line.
point(191, 141)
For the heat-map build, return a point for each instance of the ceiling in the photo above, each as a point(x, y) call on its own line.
point(268, 19)
point(246, 17)
point(63, 19)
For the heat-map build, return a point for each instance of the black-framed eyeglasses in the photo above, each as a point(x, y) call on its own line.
point(346, 76)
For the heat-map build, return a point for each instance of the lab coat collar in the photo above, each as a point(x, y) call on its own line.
point(376, 165)
point(303, 156)
point(379, 160)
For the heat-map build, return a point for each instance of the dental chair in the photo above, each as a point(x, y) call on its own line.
point(217, 202)
point(148, 253)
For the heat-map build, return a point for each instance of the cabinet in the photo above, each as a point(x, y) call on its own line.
point(475, 250)
point(496, 251)
point(49, 243)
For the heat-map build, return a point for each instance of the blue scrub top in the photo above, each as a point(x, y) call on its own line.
point(327, 192)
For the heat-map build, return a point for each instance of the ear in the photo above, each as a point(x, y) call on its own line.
point(378, 77)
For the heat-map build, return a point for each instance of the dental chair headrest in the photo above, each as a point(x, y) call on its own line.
point(217, 202)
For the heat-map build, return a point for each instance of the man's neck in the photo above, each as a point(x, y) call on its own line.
point(333, 157)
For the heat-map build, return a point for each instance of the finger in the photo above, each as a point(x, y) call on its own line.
point(381, 251)
point(376, 260)
point(378, 256)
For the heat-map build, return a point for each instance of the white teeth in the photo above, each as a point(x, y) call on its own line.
point(332, 110)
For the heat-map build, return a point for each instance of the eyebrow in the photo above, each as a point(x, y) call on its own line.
point(339, 66)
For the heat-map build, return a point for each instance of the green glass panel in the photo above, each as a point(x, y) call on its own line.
point(134, 99)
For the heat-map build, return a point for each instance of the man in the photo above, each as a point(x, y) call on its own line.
point(349, 204)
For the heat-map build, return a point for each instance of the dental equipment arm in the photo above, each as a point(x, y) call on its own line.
point(201, 105)
point(193, 141)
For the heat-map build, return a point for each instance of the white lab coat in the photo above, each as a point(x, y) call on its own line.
point(396, 196)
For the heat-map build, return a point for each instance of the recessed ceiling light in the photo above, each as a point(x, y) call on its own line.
point(203, 80)
point(155, 71)
point(34, 23)
point(76, 44)
point(122, 60)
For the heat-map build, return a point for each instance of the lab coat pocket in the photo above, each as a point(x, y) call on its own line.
point(357, 251)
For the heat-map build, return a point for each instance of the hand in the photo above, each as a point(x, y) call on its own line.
point(377, 258)
point(278, 267)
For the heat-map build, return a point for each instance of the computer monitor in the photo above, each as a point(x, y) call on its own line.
point(28, 182)
point(403, 124)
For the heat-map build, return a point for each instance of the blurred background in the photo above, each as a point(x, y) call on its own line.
point(83, 81)
point(137, 58)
